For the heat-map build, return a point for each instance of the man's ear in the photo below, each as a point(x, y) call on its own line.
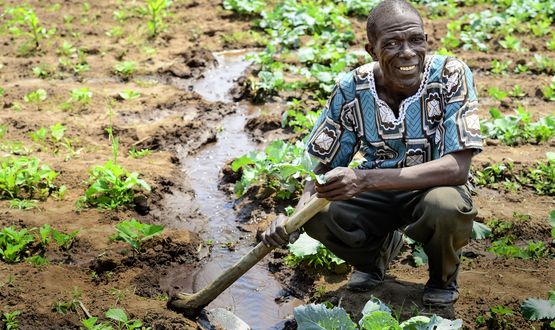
point(370, 50)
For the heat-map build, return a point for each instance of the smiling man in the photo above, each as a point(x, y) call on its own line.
point(413, 117)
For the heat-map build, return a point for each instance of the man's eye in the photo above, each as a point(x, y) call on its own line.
point(418, 40)
point(392, 43)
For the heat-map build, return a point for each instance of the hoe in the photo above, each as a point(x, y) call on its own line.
point(191, 305)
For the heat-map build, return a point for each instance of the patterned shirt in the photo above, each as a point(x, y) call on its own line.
point(442, 117)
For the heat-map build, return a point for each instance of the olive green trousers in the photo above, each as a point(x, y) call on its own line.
point(361, 230)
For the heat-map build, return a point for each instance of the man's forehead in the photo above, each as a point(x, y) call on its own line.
point(398, 21)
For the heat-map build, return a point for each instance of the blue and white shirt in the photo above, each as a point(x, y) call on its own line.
point(442, 117)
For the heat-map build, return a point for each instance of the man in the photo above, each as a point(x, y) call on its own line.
point(414, 118)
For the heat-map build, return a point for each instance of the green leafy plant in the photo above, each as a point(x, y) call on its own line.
point(497, 93)
point(518, 128)
point(245, 7)
point(71, 305)
point(36, 96)
point(63, 240)
point(551, 220)
point(25, 177)
point(23, 21)
point(135, 232)
point(375, 315)
point(499, 67)
point(126, 69)
point(81, 95)
point(111, 186)
point(504, 247)
point(300, 119)
point(23, 204)
point(156, 11)
point(549, 92)
point(280, 167)
point(134, 153)
point(517, 92)
point(10, 320)
point(14, 244)
point(129, 94)
point(540, 309)
point(312, 253)
point(118, 317)
point(497, 317)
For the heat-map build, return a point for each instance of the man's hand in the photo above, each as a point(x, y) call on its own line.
point(276, 235)
point(341, 183)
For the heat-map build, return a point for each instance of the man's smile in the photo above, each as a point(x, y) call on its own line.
point(407, 68)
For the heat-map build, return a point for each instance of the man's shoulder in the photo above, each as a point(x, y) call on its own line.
point(354, 78)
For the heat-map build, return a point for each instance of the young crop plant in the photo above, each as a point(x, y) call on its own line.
point(81, 95)
point(10, 320)
point(298, 117)
point(312, 253)
point(542, 177)
point(23, 204)
point(505, 247)
point(549, 92)
point(22, 21)
point(125, 69)
point(129, 94)
point(111, 186)
point(36, 96)
point(517, 92)
point(510, 43)
point(498, 67)
point(118, 318)
point(540, 310)
point(136, 233)
point(244, 7)
point(23, 177)
point(134, 153)
point(498, 317)
point(375, 315)
point(497, 93)
point(42, 71)
point(14, 244)
point(551, 220)
point(281, 167)
point(518, 128)
point(156, 10)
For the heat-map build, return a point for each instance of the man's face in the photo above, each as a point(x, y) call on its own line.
point(400, 48)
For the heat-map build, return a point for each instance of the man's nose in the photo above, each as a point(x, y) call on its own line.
point(406, 50)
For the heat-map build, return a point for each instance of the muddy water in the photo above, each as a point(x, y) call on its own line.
point(252, 297)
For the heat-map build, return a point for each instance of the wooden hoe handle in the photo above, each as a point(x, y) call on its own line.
point(191, 304)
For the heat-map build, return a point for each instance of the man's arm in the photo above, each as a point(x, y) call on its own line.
point(344, 183)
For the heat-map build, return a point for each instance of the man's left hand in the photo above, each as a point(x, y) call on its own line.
point(341, 183)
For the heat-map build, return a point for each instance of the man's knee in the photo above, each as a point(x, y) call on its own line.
point(451, 204)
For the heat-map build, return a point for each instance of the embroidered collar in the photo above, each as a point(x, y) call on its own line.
point(385, 111)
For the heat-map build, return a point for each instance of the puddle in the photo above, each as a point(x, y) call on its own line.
point(252, 297)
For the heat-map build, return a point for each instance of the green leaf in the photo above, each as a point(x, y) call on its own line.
point(116, 314)
point(375, 305)
point(379, 320)
point(538, 309)
point(438, 322)
point(419, 256)
point(480, 231)
point(304, 246)
point(319, 317)
point(416, 323)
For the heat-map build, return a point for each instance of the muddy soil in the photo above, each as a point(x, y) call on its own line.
point(169, 118)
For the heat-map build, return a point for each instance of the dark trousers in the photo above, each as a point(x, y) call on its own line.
point(360, 230)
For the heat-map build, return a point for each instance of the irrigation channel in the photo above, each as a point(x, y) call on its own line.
point(252, 297)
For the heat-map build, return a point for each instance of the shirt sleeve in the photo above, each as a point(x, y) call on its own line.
point(460, 128)
point(331, 142)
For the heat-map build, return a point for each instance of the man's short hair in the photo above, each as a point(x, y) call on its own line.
point(386, 9)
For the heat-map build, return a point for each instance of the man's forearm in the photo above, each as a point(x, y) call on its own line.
point(450, 170)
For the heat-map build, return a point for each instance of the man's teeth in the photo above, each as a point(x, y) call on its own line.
point(407, 68)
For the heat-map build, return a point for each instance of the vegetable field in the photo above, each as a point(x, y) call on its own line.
point(104, 117)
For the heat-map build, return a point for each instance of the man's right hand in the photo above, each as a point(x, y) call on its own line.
point(276, 235)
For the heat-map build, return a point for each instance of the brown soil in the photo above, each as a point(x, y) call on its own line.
point(106, 274)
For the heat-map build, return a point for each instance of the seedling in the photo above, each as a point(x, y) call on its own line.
point(14, 244)
point(549, 92)
point(511, 43)
point(23, 204)
point(312, 253)
point(37, 261)
point(10, 320)
point(129, 94)
point(125, 69)
point(552, 223)
point(63, 240)
point(134, 153)
point(82, 95)
point(517, 92)
point(115, 32)
point(499, 67)
point(25, 178)
point(63, 307)
point(36, 96)
point(540, 309)
point(246, 7)
point(135, 232)
point(497, 93)
point(24, 22)
point(156, 10)
point(42, 71)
